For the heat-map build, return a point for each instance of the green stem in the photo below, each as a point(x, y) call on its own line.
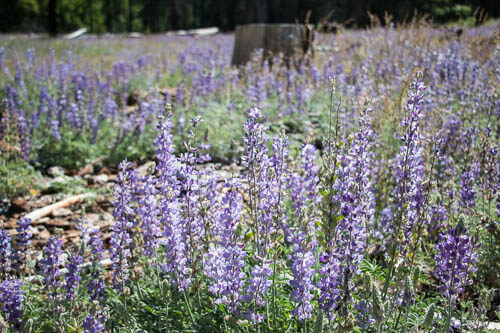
point(188, 307)
point(274, 291)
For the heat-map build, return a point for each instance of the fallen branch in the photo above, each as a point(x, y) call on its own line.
point(47, 210)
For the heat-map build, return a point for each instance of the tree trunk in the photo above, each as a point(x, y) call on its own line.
point(173, 14)
point(129, 25)
point(185, 14)
point(109, 15)
point(52, 28)
point(90, 14)
point(261, 10)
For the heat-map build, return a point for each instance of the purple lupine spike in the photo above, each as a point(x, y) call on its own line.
point(174, 231)
point(251, 92)
point(303, 236)
point(409, 164)
point(24, 136)
point(73, 275)
point(303, 261)
point(456, 259)
point(72, 115)
point(93, 123)
point(11, 302)
point(225, 258)
point(258, 286)
point(258, 164)
point(49, 267)
point(2, 56)
point(468, 180)
point(328, 284)
point(179, 95)
point(23, 240)
point(94, 323)
point(5, 253)
point(148, 211)
point(353, 195)
point(121, 241)
point(110, 109)
point(94, 244)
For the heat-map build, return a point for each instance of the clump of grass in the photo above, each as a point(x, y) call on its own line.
point(16, 178)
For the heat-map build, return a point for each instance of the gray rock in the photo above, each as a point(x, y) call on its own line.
point(55, 171)
point(101, 179)
point(61, 212)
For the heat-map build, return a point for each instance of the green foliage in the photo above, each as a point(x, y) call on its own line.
point(131, 146)
point(71, 152)
point(16, 178)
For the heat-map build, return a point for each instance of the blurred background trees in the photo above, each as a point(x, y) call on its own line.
point(99, 16)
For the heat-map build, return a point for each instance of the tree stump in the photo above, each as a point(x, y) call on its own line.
point(287, 39)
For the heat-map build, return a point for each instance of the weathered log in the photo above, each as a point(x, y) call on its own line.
point(274, 39)
point(76, 34)
point(47, 210)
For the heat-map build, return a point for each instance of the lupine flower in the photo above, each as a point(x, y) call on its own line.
point(179, 94)
point(225, 259)
point(23, 240)
point(263, 184)
point(468, 180)
point(257, 289)
point(255, 158)
point(5, 253)
point(73, 275)
point(148, 211)
point(11, 300)
point(24, 136)
point(49, 266)
point(96, 285)
point(121, 242)
point(354, 198)
point(409, 166)
point(2, 55)
point(174, 232)
point(329, 282)
point(303, 237)
point(94, 323)
point(456, 259)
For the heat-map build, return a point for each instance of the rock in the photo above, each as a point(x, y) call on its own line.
point(43, 201)
point(135, 35)
point(493, 326)
point(19, 205)
point(288, 39)
point(100, 179)
point(146, 168)
point(43, 220)
point(105, 171)
point(88, 169)
point(57, 223)
point(61, 212)
point(42, 233)
point(103, 220)
point(56, 171)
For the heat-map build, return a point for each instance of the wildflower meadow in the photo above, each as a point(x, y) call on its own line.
point(353, 189)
